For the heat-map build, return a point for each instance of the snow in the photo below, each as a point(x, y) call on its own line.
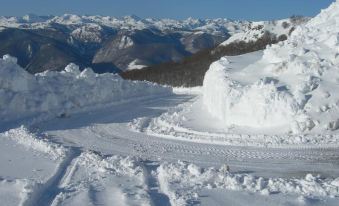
point(291, 88)
point(191, 90)
point(103, 156)
point(182, 184)
point(125, 42)
point(63, 92)
point(135, 65)
point(27, 162)
point(13, 192)
point(23, 137)
point(257, 30)
point(192, 121)
point(94, 179)
point(88, 33)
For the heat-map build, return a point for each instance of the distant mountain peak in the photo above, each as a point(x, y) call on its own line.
point(134, 17)
point(33, 18)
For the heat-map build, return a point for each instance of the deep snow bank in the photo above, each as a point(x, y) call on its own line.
point(293, 87)
point(59, 93)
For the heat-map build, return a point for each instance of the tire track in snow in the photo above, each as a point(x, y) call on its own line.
point(157, 197)
point(109, 132)
point(47, 192)
point(127, 142)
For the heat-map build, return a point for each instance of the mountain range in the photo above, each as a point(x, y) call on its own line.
point(107, 43)
point(124, 45)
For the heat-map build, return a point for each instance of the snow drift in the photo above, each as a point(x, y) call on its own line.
point(293, 87)
point(60, 93)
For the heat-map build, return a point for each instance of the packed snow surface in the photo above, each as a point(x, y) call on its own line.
point(61, 93)
point(292, 88)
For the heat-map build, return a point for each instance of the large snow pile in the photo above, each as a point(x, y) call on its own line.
point(60, 93)
point(293, 87)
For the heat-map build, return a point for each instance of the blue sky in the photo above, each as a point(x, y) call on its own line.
point(177, 9)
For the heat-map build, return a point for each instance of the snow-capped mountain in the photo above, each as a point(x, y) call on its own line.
point(115, 42)
point(256, 30)
point(215, 26)
point(109, 44)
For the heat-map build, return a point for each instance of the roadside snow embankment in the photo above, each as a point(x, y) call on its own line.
point(60, 93)
point(292, 89)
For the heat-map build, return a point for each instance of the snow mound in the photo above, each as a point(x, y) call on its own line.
point(292, 89)
point(61, 93)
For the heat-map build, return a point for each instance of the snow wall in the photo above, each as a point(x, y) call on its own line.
point(59, 93)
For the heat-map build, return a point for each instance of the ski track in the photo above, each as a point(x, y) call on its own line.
point(156, 195)
point(108, 135)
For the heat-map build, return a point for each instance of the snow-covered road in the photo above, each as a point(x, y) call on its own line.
point(99, 159)
point(107, 131)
